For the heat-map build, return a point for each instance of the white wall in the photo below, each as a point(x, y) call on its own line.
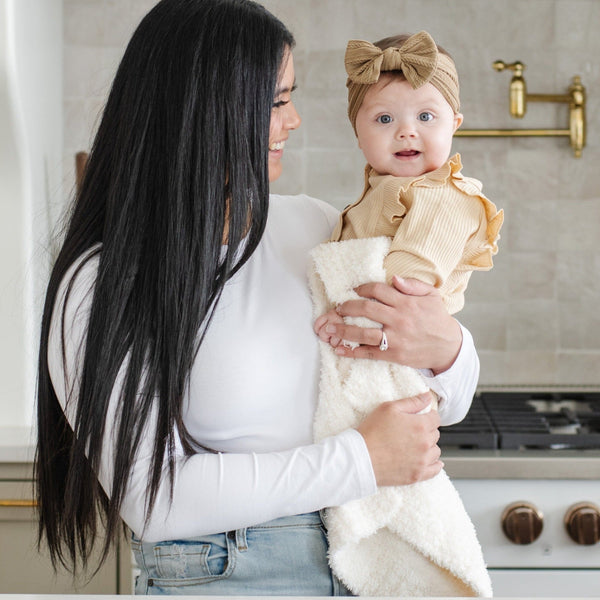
point(30, 182)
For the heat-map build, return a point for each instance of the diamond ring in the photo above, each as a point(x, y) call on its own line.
point(383, 346)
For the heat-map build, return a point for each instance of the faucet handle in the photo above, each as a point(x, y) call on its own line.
point(518, 67)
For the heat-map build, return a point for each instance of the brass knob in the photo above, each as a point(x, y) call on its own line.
point(522, 522)
point(582, 521)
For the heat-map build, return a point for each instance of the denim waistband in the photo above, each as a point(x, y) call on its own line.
point(311, 518)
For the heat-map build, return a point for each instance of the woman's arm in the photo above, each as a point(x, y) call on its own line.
point(222, 492)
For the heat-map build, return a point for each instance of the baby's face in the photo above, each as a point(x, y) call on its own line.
point(405, 132)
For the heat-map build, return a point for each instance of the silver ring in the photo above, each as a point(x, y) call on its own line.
point(384, 343)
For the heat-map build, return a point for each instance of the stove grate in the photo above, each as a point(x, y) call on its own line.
point(521, 420)
point(476, 430)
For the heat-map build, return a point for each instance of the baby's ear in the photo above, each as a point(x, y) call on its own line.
point(458, 119)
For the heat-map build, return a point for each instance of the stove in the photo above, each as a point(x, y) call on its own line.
point(528, 420)
point(529, 476)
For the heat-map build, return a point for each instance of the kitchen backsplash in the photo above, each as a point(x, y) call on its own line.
point(535, 317)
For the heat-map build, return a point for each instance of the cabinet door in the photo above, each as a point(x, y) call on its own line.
point(24, 570)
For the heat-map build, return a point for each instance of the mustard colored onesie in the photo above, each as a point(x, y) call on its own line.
point(443, 227)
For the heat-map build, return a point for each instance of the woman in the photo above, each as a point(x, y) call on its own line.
point(178, 369)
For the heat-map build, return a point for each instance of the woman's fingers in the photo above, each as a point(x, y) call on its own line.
point(374, 310)
point(370, 336)
point(388, 295)
point(413, 287)
point(382, 292)
point(385, 304)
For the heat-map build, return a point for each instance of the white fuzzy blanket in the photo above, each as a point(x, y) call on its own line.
point(414, 540)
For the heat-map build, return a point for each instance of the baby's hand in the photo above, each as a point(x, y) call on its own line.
point(325, 322)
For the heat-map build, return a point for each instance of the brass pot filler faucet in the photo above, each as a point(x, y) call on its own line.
point(518, 97)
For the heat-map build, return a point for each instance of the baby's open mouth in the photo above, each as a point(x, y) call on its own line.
point(407, 153)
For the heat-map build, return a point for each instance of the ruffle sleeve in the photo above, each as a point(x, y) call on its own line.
point(478, 254)
point(481, 257)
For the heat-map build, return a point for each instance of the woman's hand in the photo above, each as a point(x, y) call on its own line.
point(403, 444)
point(420, 332)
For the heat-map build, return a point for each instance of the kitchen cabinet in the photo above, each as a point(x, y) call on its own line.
point(25, 570)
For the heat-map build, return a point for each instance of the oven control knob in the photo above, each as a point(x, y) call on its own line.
point(522, 522)
point(582, 521)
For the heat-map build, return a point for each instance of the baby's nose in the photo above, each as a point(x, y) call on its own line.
point(406, 130)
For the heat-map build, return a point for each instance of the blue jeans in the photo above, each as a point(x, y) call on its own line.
point(284, 557)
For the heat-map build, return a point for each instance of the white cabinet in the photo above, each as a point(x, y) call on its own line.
point(24, 570)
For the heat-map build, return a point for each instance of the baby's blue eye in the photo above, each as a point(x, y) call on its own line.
point(384, 119)
point(425, 116)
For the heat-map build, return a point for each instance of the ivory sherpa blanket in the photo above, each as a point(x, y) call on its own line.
point(414, 540)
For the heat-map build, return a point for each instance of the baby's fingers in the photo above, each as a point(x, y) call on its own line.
point(325, 325)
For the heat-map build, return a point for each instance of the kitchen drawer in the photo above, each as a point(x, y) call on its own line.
point(24, 570)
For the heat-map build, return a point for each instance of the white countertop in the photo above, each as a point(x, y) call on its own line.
point(515, 464)
point(115, 597)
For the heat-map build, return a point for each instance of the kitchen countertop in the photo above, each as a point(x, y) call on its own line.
point(513, 464)
point(115, 597)
point(17, 446)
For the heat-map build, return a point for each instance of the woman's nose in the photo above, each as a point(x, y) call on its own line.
point(292, 118)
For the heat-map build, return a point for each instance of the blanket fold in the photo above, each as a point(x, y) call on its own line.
point(414, 540)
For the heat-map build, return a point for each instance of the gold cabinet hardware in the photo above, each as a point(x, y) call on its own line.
point(518, 99)
point(18, 503)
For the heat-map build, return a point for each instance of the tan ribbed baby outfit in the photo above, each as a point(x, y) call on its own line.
point(442, 226)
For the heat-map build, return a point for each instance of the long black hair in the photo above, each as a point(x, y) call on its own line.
point(180, 159)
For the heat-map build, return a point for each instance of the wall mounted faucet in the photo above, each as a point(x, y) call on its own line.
point(519, 99)
point(518, 88)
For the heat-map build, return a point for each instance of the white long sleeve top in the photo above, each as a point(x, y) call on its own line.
point(252, 396)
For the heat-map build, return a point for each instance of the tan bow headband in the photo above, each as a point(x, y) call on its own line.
point(418, 59)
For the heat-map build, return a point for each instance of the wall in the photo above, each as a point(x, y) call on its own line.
point(31, 179)
point(535, 316)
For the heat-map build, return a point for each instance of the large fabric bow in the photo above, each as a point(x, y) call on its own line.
point(417, 59)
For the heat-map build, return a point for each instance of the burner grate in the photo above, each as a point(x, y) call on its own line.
point(476, 430)
point(520, 420)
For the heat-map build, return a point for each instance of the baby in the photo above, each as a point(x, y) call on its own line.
point(403, 103)
point(418, 217)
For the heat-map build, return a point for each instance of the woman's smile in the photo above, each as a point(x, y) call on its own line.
point(284, 117)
